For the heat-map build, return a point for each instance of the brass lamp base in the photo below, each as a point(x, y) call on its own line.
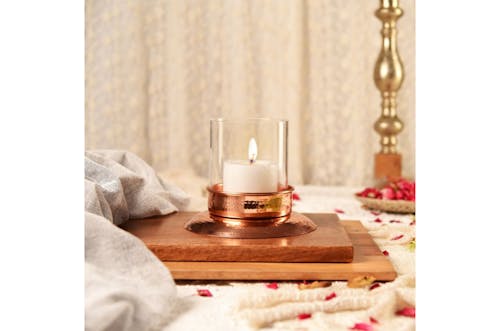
point(293, 225)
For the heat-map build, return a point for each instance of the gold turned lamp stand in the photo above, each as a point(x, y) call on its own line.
point(388, 76)
point(248, 195)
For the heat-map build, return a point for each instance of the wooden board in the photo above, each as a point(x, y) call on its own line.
point(167, 239)
point(368, 260)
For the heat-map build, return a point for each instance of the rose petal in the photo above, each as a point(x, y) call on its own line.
point(406, 311)
point(398, 237)
point(377, 220)
point(373, 320)
point(295, 196)
point(362, 327)
point(204, 293)
point(374, 286)
point(330, 296)
point(375, 213)
point(303, 316)
point(394, 221)
point(413, 222)
point(386, 253)
point(273, 286)
point(339, 211)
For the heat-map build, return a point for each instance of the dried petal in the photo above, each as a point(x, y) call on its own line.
point(339, 211)
point(377, 220)
point(303, 316)
point(411, 245)
point(273, 286)
point(394, 221)
point(386, 253)
point(375, 213)
point(204, 293)
point(330, 296)
point(413, 222)
point(295, 196)
point(398, 237)
point(373, 320)
point(362, 327)
point(315, 284)
point(406, 311)
point(374, 286)
point(360, 281)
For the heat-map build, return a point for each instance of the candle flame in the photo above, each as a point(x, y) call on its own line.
point(252, 150)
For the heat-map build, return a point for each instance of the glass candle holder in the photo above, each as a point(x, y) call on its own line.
point(248, 192)
point(248, 155)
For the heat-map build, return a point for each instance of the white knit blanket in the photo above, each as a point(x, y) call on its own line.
point(247, 306)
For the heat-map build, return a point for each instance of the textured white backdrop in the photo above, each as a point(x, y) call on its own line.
point(158, 70)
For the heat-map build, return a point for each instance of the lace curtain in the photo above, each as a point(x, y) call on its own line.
point(158, 70)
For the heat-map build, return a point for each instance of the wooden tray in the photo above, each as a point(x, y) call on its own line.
point(367, 260)
point(167, 239)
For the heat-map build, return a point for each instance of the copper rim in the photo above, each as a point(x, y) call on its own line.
point(249, 206)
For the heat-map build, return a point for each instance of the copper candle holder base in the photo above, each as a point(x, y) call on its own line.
point(296, 224)
point(250, 215)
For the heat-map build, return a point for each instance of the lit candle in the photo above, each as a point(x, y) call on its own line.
point(250, 176)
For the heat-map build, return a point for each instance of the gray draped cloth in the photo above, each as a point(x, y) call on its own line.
point(126, 286)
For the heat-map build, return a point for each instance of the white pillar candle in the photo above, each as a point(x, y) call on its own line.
point(250, 176)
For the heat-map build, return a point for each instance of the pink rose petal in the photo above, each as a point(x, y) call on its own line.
point(375, 213)
point(330, 296)
point(406, 311)
point(295, 196)
point(303, 316)
point(398, 237)
point(373, 320)
point(204, 293)
point(273, 286)
point(339, 211)
point(362, 327)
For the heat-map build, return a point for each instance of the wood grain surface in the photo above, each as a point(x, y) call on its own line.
point(367, 260)
point(169, 241)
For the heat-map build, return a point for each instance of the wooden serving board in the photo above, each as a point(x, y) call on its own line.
point(367, 260)
point(169, 241)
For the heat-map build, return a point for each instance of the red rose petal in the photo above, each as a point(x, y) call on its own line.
point(295, 196)
point(374, 286)
point(398, 237)
point(413, 222)
point(406, 311)
point(362, 327)
point(273, 286)
point(373, 320)
point(386, 253)
point(377, 220)
point(303, 316)
point(339, 211)
point(330, 296)
point(204, 293)
point(375, 213)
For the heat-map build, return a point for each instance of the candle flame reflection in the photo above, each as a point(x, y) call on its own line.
point(252, 150)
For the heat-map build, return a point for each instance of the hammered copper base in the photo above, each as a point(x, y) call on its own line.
point(295, 225)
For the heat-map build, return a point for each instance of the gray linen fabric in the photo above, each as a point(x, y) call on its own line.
point(126, 286)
